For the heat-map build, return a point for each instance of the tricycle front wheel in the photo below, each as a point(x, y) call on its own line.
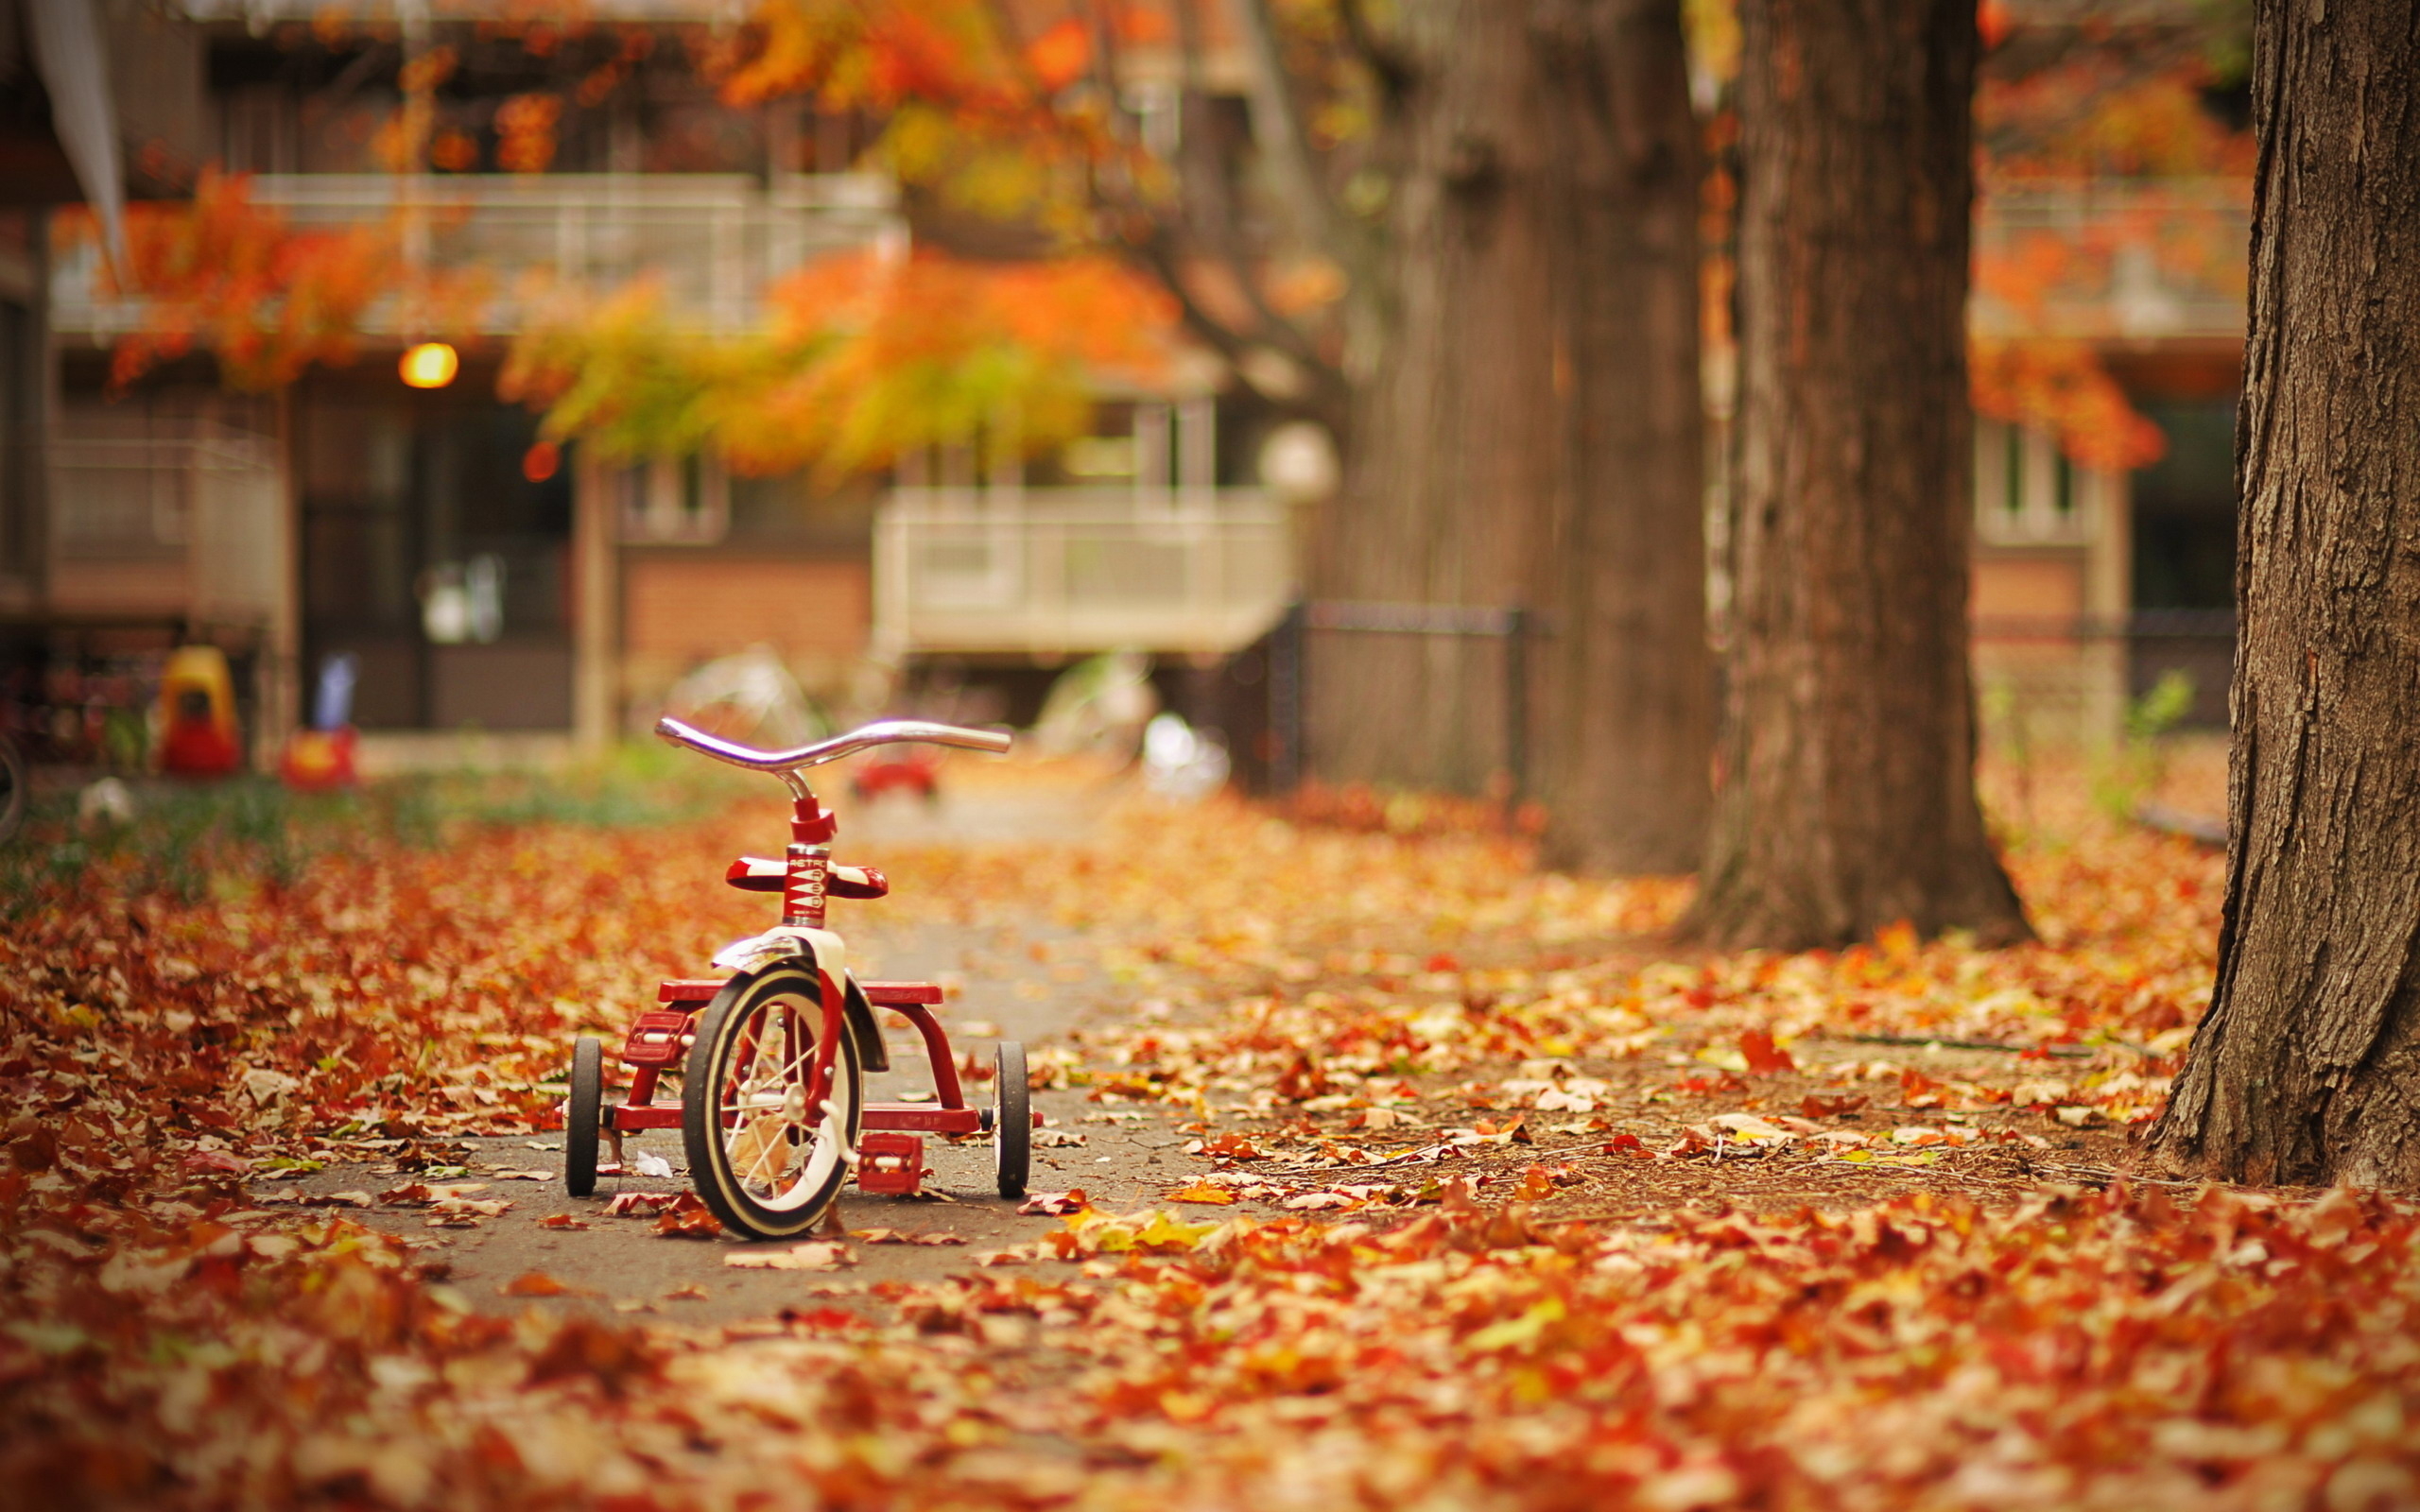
point(766, 1162)
point(1011, 1119)
point(584, 1115)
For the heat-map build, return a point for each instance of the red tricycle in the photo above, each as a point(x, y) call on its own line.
point(772, 1057)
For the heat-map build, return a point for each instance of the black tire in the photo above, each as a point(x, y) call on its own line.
point(1011, 1119)
point(583, 1115)
point(16, 789)
point(731, 1068)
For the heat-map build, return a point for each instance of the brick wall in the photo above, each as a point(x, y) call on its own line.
point(682, 610)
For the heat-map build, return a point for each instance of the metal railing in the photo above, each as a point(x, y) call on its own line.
point(715, 242)
point(1079, 570)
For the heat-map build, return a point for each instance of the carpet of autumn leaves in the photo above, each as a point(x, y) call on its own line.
point(2005, 1327)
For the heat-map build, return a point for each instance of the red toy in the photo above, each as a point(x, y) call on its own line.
point(319, 761)
point(772, 1057)
point(197, 735)
point(907, 771)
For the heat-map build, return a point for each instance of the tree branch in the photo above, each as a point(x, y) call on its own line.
point(1278, 129)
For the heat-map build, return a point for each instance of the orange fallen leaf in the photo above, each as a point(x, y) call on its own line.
point(1204, 1192)
point(534, 1284)
point(687, 1218)
point(1764, 1057)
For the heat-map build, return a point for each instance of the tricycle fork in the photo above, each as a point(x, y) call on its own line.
point(827, 1047)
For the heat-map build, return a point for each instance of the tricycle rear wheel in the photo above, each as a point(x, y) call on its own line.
point(1011, 1119)
point(584, 1115)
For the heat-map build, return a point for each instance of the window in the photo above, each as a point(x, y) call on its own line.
point(674, 500)
point(2027, 491)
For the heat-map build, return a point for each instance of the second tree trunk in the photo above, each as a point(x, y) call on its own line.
point(1530, 436)
point(1845, 795)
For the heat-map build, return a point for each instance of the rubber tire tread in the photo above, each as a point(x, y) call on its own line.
point(708, 1170)
point(1011, 1119)
point(583, 1115)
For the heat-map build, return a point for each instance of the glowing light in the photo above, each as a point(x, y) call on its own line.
point(539, 463)
point(430, 364)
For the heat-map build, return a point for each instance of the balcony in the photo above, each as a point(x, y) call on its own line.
point(713, 241)
point(1074, 571)
point(2113, 260)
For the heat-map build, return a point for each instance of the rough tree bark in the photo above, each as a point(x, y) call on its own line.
point(1528, 432)
point(1845, 797)
point(2306, 1068)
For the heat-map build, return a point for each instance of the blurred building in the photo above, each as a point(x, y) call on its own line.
point(485, 582)
point(2091, 584)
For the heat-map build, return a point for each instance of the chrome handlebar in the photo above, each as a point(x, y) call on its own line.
point(883, 732)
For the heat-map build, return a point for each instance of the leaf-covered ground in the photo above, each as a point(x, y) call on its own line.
point(1488, 1199)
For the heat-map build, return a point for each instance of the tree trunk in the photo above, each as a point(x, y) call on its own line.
point(1627, 681)
point(2306, 1068)
point(1527, 434)
point(1846, 800)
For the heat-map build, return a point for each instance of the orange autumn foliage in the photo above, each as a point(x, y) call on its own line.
point(223, 274)
point(865, 356)
point(2063, 387)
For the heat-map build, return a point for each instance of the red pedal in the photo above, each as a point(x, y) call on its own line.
point(660, 1037)
point(890, 1162)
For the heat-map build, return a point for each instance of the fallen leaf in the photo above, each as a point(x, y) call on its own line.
point(818, 1255)
point(1202, 1191)
point(534, 1284)
point(1053, 1204)
point(687, 1218)
point(1319, 1202)
point(642, 1204)
point(1764, 1057)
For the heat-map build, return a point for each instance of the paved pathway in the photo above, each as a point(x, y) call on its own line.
point(621, 1266)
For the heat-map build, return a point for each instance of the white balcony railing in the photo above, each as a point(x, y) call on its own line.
point(2113, 259)
point(713, 241)
point(1079, 570)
